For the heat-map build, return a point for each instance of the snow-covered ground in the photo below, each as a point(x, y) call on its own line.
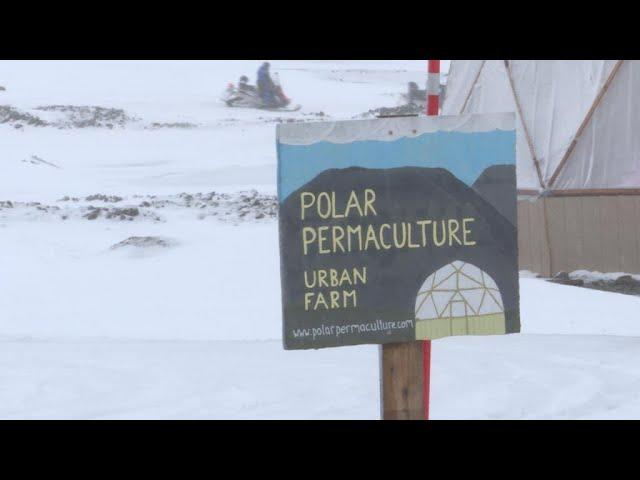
point(228, 147)
point(191, 328)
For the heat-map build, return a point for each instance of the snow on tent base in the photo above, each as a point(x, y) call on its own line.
point(459, 299)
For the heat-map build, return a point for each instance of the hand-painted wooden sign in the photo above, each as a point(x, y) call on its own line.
point(397, 229)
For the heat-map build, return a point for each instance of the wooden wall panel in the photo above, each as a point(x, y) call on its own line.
point(627, 221)
point(575, 239)
point(590, 232)
point(611, 241)
point(637, 225)
point(556, 219)
point(524, 235)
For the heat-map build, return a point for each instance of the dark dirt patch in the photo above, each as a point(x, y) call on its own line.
point(73, 117)
point(17, 118)
point(234, 207)
point(102, 198)
point(625, 284)
point(279, 120)
point(89, 116)
point(319, 114)
point(229, 207)
point(409, 109)
point(181, 125)
point(563, 278)
point(111, 213)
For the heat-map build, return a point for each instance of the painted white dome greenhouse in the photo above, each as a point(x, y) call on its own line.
point(459, 299)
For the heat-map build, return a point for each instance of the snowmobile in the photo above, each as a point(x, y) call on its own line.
point(244, 95)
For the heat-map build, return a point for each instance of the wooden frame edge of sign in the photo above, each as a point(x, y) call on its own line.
point(594, 192)
point(581, 192)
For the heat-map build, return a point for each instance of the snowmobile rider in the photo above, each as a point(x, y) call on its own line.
point(269, 90)
point(266, 87)
point(243, 85)
point(415, 94)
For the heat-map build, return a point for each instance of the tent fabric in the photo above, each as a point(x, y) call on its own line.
point(607, 154)
point(484, 86)
point(555, 97)
point(461, 75)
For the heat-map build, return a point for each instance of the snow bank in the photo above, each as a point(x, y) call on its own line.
point(498, 377)
point(551, 308)
point(221, 282)
point(62, 280)
point(589, 276)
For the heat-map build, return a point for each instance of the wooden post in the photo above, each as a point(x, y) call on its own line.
point(405, 368)
point(433, 109)
point(401, 381)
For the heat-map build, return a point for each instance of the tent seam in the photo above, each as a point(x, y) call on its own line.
point(585, 122)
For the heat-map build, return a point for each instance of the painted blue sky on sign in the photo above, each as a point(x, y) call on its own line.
point(466, 155)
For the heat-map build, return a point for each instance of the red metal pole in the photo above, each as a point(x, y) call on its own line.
point(433, 87)
point(433, 99)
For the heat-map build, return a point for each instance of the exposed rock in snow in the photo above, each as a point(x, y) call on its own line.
point(88, 116)
point(609, 282)
point(79, 116)
point(17, 118)
point(408, 109)
point(143, 242)
point(112, 213)
point(225, 207)
point(564, 279)
point(102, 198)
point(184, 125)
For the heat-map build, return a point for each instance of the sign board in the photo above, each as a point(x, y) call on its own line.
point(397, 229)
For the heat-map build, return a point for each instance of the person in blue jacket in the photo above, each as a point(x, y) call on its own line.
point(266, 87)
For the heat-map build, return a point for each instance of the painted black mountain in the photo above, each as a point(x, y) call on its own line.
point(395, 276)
point(497, 185)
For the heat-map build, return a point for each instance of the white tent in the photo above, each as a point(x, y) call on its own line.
point(577, 121)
